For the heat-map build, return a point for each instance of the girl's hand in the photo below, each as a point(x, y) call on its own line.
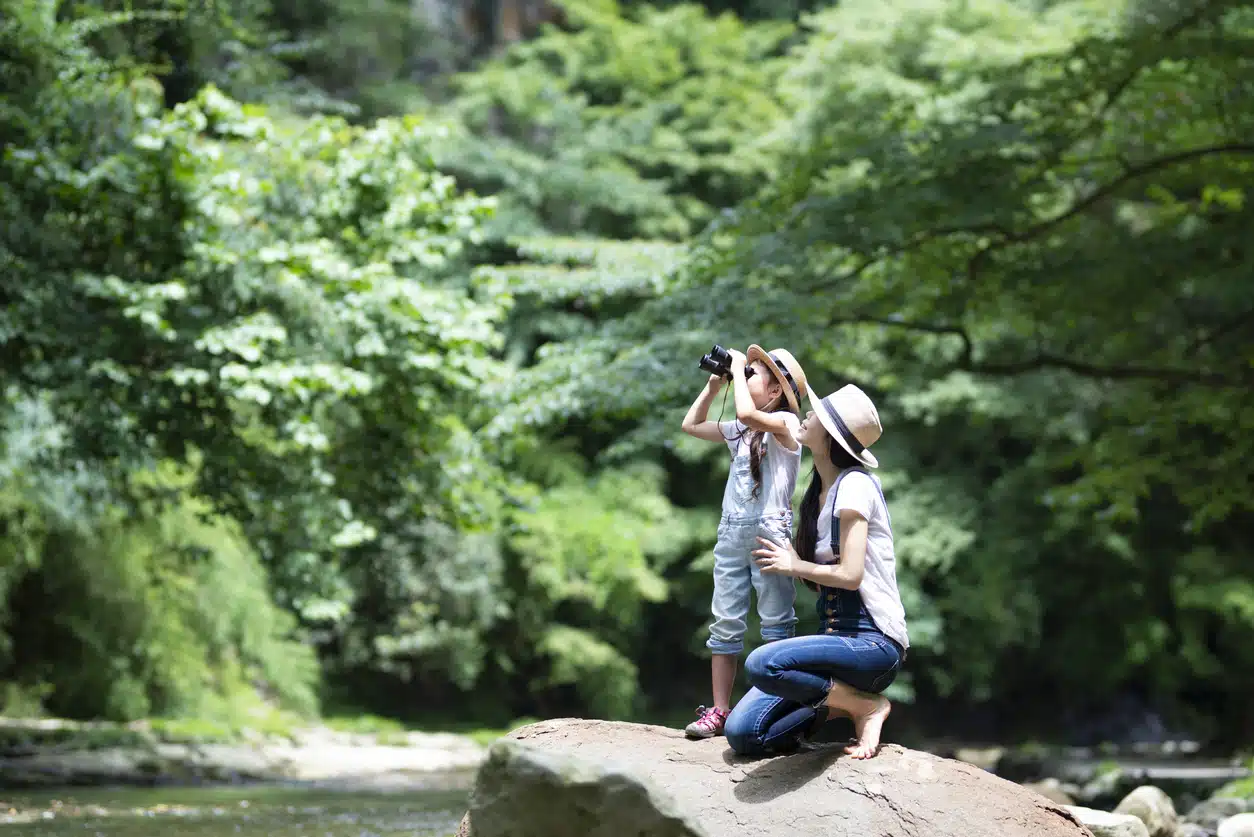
point(777, 559)
point(737, 358)
point(715, 383)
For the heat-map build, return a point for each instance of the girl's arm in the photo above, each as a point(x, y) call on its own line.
point(782, 559)
point(748, 413)
point(696, 422)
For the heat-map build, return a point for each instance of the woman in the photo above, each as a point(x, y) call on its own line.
point(844, 546)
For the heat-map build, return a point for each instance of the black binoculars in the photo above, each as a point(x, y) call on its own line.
point(717, 361)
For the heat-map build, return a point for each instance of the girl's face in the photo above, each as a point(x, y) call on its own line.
point(762, 385)
point(813, 434)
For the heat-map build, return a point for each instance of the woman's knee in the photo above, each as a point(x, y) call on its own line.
point(758, 667)
point(743, 735)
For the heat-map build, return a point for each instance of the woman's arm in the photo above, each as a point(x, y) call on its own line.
point(696, 422)
point(748, 413)
point(782, 559)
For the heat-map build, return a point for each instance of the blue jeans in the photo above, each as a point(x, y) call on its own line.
point(792, 676)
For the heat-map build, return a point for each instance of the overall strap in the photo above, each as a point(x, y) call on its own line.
point(836, 517)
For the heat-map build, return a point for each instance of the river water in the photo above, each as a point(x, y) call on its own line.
point(419, 809)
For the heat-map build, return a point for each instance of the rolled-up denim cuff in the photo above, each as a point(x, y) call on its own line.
point(821, 703)
point(781, 632)
point(720, 647)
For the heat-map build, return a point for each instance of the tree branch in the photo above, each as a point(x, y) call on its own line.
point(1046, 360)
point(953, 330)
point(1101, 193)
point(1170, 375)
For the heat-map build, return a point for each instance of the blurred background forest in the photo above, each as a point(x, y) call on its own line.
point(345, 345)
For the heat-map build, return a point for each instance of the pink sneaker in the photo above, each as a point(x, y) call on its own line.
point(709, 723)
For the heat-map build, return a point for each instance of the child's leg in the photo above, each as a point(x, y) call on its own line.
point(723, 676)
point(777, 594)
point(730, 608)
point(730, 603)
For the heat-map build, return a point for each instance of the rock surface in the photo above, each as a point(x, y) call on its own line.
point(819, 792)
point(1104, 824)
point(1242, 825)
point(525, 791)
point(1153, 807)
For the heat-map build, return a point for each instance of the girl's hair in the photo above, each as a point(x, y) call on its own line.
point(808, 520)
point(756, 439)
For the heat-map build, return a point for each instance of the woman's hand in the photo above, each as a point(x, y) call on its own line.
point(778, 559)
point(738, 359)
point(715, 383)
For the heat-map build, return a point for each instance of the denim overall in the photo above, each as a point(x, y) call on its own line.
point(745, 519)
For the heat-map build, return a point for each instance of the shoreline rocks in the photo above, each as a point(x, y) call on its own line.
point(1153, 808)
point(1106, 824)
point(315, 754)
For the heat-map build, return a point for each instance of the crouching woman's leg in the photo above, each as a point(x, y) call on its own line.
point(766, 725)
point(831, 674)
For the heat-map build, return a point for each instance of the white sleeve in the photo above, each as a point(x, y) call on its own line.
point(732, 430)
point(857, 493)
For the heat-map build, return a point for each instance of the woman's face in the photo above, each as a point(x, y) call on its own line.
point(762, 385)
point(813, 434)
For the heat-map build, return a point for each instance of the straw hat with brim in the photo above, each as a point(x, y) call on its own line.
point(786, 370)
point(852, 420)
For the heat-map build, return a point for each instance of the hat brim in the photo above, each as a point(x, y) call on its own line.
point(866, 457)
point(756, 352)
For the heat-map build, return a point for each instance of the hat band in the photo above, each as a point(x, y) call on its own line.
point(851, 440)
point(783, 367)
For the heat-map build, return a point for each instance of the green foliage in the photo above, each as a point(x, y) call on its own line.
point(122, 614)
point(283, 311)
point(999, 237)
point(592, 551)
point(632, 123)
point(292, 359)
point(1240, 789)
point(1052, 231)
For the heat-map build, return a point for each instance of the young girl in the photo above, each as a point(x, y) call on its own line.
point(757, 501)
point(844, 546)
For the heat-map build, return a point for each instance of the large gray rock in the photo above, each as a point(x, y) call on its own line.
point(1152, 807)
point(1104, 824)
point(603, 771)
point(1242, 825)
point(1212, 812)
point(526, 791)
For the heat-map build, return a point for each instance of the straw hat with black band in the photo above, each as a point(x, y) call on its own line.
point(785, 369)
point(852, 420)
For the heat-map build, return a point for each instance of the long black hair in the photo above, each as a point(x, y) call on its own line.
point(808, 520)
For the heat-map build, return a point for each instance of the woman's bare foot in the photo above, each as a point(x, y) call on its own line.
point(868, 727)
point(868, 712)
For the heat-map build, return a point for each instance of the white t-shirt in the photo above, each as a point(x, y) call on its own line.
point(779, 470)
point(859, 492)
